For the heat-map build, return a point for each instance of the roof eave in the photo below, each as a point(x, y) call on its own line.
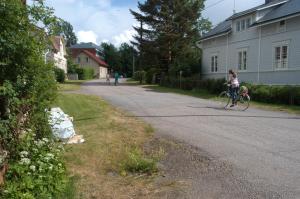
point(276, 20)
point(215, 36)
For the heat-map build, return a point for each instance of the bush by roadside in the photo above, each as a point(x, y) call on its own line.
point(60, 75)
point(85, 73)
point(288, 95)
point(37, 172)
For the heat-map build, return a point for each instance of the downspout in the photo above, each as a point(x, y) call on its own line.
point(227, 58)
point(259, 55)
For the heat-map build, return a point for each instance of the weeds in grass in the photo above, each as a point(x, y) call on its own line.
point(137, 162)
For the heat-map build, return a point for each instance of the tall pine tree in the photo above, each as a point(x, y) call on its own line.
point(168, 33)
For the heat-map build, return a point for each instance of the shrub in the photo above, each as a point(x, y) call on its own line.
point(60, 75)
point(289, 95)
point(38, 170)
point(85, 73)
point(150, 74)
point(139, 76)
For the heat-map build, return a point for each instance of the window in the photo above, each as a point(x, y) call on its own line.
point(282, 26)
point(248, 23)
point(243, 24)
point(238, 26)
point(242, 60)
point(87, 60)
point(281, 57)
point(214, 63)
point(78, 59)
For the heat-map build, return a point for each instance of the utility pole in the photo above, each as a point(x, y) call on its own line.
point(133, 62)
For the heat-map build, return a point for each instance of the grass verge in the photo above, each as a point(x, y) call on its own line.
point(70, 85)
point(206, 95)
point(106, 165)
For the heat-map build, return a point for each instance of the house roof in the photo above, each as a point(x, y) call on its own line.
point(290, 8)
point(85, 46)
point(55, 40)
point(95, 58)
point(251, 10)
point(279, 12)
point(221, 28)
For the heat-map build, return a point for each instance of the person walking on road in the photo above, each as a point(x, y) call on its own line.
point(116, 78)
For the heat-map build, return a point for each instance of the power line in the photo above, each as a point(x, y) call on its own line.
point(214, 4)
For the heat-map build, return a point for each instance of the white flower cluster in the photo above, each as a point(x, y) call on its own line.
point(25, 161)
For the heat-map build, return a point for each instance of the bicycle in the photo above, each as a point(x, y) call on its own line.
point(242, 101)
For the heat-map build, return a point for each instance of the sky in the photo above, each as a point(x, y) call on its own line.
point(110, 20)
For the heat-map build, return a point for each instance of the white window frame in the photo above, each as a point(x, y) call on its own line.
point(242, 62)
point(281, 64)
point(78, 60)
point(281, 28)
point(87, 60)
point(214, 63)
point(238, 26)
point(242, 24)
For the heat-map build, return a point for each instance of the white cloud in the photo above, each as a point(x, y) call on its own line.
point(103, 20)
point(125, 36)
point(87, 36)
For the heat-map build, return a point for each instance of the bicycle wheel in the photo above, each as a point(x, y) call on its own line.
point(243, 102)
point(224, 99)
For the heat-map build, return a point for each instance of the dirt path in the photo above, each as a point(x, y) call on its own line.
point(221, 154)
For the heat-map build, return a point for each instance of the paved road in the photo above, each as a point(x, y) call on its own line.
point(265, 145)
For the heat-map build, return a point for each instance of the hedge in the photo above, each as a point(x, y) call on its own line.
point(85, 73)
point(59, 75)
point(289, 95)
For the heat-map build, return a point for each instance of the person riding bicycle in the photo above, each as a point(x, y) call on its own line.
point(234, 86)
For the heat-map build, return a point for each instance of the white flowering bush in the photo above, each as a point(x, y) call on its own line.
point(38, 173)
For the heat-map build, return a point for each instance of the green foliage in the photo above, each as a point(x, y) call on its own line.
point(139, 76)
point(167, 33)
point(126, 53)
point(289, 95)
point(213, 86)
point(111, 56)
point(27, 89)
point(150, 74)
point(60, 75)
point(136, 162)
point(38, 170)
point(64, 28)
point(85, 73)
point(72, 67)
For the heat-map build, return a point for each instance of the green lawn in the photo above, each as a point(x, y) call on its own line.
point(206, 95)
point(96, 167)
point(70, 85)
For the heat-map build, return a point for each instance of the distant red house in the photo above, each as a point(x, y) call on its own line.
point(89, 55)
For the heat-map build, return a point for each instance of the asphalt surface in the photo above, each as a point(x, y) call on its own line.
point(263, 145)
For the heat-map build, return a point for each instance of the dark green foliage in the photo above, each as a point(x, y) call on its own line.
point(64, 28)
point(167, 33)
point(289, 95)
point(151, 75)
point(72, 66)
point(139, 76)
point(85, 73)
point(60, 75)
point(111, 56)
point(214, 86)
